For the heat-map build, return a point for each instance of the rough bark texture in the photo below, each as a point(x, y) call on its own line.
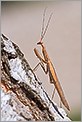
point(22, 96)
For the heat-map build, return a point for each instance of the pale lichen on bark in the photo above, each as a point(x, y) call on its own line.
point(25, 98)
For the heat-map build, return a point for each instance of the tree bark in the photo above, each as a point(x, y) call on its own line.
point(23, 97)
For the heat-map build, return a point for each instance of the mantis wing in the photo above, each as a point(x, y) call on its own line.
point(57, 85)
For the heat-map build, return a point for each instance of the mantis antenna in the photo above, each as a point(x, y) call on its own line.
point(45, 30)
point(43, 21)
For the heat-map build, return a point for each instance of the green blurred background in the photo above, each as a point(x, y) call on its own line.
point(21, 22)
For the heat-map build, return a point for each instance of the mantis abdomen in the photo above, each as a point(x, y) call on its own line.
point(57, 85)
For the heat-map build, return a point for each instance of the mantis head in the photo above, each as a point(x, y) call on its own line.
point(44, 30)
point(40, 43)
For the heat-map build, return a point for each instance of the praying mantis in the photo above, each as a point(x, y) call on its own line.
point(49, 66)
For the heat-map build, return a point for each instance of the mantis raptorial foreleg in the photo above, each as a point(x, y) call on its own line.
point(39, 56)
point(42, 61)
point(44, 69)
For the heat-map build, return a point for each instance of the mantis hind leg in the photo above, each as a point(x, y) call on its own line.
point(51, 81)
point(51, 78)
point(60, 103)
point(53, 94)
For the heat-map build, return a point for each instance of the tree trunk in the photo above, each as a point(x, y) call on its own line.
point(23, 97)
